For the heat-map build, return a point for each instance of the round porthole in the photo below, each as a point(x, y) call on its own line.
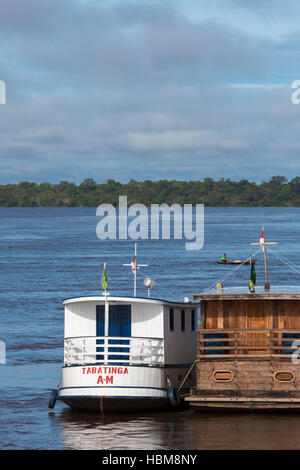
point(284, 376)
point(223, 375)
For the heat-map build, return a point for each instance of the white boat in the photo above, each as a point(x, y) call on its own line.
point(127, 353)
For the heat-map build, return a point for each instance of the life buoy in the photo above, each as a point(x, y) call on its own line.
point(173, 397)
point(52, 399)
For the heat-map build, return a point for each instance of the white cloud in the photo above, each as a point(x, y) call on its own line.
point(257, 85)
point(179, 140)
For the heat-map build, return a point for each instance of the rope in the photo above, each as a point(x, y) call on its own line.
point(189, 371)
point(290, 262)
point(230, 273)
point(59, 383)
point(287, 262)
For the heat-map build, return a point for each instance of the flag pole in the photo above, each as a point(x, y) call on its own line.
point(134, 287)
point(267, 284)
point(106, 304)
point(264, 244)
point(136, 267)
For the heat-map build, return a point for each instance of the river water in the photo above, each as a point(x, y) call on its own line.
point(50, 254)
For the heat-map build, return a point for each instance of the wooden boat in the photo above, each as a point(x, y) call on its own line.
point(126, 354)
point(248, 355)
point(237, 261)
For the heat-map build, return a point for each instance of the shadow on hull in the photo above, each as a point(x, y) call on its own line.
point(122, 405)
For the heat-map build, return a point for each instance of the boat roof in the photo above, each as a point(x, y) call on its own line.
point(239, 293)
point(101, 298)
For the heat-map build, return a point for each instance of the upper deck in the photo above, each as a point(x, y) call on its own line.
point(240, 293)
point(101, 299)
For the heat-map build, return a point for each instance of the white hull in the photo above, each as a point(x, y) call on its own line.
point(116, 388)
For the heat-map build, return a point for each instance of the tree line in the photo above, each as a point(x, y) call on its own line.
point(277, 191)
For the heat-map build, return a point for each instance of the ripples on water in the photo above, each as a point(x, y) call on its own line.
point(47, 255)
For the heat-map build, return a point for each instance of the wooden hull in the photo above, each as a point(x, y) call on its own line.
point(254, 385)
point(243, 404)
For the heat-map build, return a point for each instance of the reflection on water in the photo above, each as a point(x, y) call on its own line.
point(186, 430)
point(34, 426)
point(156, 431)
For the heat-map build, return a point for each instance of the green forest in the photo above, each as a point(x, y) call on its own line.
point(277, 191)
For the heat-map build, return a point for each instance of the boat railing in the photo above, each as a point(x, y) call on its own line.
point(113, 350)
point(242, 343)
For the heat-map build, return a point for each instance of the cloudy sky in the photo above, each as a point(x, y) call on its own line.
point(144, 89)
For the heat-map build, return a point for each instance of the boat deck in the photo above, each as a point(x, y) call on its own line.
point(232, 293)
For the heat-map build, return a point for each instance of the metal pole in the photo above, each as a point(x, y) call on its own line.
point(106, 314)
point(134, 288)
point(106, 323)
point(135, 270)
point(267, 285)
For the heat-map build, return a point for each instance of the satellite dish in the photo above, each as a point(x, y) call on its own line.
point(149, 284)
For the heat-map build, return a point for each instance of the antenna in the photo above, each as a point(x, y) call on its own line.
point(134, 267)
point(263, 244)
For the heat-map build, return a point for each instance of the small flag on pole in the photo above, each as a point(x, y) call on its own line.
point(252, 276)
point(262, 240)
point(104, 278)
point(133, 265)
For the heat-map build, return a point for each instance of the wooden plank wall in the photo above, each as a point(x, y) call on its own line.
point(250, 375)
point(219, 314)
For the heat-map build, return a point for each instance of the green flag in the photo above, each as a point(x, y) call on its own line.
point(104, 278)
point(252, 276)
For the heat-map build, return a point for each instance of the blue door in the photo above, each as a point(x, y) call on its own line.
point(100, 319)
point(119, 325)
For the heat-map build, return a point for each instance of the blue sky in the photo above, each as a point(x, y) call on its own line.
point(149, 89)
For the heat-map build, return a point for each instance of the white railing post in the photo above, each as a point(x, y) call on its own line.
point(105, 350)
point(131, 346)
point(83, 350)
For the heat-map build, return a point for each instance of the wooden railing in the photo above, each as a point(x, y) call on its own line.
point(219, 343)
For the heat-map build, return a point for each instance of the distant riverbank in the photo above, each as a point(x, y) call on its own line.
point(278, 191)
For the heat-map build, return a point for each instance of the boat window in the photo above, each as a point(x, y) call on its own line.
point(182, 320)
point(171, 319)
point(193, 318)
point(284, 376)
point(223, 375)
